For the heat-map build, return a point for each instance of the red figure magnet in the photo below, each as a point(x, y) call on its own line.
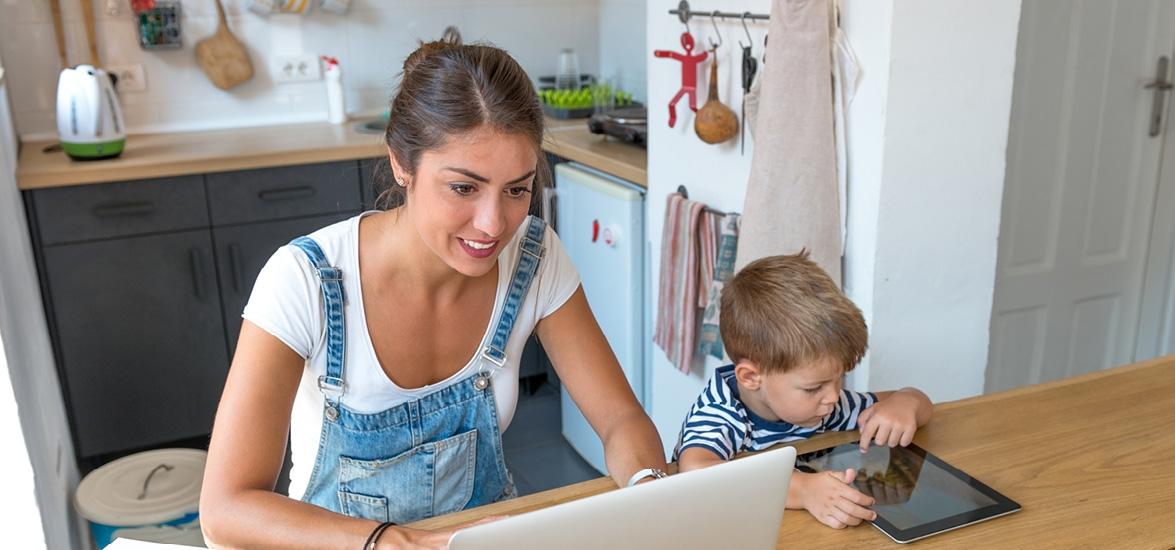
point(689, 74)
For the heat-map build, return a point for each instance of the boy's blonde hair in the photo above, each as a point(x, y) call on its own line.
point(782, 311)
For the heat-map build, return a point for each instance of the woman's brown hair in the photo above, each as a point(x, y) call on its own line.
point(448, 88)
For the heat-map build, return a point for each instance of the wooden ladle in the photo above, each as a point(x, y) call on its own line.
point(223, 57)
point(715, 122)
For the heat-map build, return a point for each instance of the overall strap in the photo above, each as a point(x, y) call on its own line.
point(331, 282)
point(528, 265)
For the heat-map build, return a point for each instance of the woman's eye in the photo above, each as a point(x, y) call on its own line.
point(463, 189)
point(517, 192)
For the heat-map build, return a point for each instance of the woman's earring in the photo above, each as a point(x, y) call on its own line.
point(401, 182)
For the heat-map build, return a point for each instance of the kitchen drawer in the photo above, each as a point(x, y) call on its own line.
point(105, 210)
point(285, 192)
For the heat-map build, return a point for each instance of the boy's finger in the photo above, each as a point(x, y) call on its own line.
point(844, 518)
point(854, 511)
point(895, 437)
point(908, 437)
point(850, 475)
point(851, 494)
point(867, 431)
point(882, 436)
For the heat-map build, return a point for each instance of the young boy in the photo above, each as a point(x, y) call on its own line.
point(792, 336)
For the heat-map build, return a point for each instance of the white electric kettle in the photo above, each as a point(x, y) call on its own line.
point(89, 117)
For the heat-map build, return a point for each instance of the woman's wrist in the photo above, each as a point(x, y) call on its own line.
point(647, 473)
point(376, 533)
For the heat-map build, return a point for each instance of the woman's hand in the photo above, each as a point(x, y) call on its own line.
point(419, 539)
point(894, 419)
point(830, 497)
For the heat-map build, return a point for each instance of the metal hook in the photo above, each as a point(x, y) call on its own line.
point(714, 21)
point(746, 30)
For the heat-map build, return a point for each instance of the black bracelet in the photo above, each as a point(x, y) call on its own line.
point(375, 534)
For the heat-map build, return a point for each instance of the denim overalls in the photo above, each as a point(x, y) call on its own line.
point(430, 456)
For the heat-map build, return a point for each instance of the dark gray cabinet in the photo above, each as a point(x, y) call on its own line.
point(144, 283)
point(242, 251)
point(286, 192)
point(135, 318)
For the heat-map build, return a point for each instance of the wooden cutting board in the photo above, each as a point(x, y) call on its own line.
point(223, 57)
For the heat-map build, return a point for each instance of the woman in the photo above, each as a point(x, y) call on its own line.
point(389, 343)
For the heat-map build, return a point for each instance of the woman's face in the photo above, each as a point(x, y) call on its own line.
point(468, 197)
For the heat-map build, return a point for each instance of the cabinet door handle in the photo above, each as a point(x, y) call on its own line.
point(234, 266)
point(138, 208)
point(287, 193)
point(197, 265)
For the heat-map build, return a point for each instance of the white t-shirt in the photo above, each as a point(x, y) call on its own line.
point(287, 303)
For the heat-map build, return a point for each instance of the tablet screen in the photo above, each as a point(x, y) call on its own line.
point(910, 490)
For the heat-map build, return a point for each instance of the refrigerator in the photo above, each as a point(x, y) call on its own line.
point(600, 220)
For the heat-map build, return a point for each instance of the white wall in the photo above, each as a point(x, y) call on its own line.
point(40, 482)
point(622, 43)
point(926, 137)
point(371, 42)
point(946, 112)
point(714, 174)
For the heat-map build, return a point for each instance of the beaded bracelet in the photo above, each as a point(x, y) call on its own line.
point(375, 534)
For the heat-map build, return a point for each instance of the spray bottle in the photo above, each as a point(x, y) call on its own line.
point(336, 112)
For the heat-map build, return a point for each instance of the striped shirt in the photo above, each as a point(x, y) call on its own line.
point(719, 421)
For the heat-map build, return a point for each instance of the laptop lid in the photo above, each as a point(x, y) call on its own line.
point(737, 504)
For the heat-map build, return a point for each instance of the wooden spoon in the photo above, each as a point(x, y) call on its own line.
point(715, 122)
point(91, 34)
point(223, 57)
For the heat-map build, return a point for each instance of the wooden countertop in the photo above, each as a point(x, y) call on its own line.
point(175, 154)
point(1088, 458)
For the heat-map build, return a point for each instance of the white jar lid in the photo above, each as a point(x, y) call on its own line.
point(111, 494)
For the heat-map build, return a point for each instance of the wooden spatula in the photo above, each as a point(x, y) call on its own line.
point(223, 57)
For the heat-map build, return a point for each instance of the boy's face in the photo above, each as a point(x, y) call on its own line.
point(802, 396)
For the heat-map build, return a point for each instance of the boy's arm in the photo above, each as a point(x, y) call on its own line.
point(696, 458)
point(894, 419)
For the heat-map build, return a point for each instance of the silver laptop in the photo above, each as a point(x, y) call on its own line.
point(737, 504)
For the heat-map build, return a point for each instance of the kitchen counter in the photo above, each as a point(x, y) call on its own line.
point(174, 154)
point(1088, 458)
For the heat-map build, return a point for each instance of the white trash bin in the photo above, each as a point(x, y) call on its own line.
point(153, 496)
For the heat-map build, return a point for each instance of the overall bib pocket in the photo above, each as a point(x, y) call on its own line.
point(428, 480)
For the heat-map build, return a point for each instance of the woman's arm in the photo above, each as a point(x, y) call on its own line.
point(589, 370)
point(238, 508)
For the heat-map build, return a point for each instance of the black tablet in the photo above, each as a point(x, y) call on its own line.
point(917, 493)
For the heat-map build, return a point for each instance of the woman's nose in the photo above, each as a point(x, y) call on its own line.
point(490, 217)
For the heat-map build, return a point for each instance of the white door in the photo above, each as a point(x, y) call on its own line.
point(1080, 191)
point(1156, 332)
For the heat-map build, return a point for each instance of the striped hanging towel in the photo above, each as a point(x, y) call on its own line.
point(677, 298)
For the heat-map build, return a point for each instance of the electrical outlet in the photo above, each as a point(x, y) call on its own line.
point(295, 68)
point(130, 77)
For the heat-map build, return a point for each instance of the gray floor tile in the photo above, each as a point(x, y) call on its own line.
point(547, 466)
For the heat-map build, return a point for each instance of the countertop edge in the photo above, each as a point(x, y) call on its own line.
point(167, 155)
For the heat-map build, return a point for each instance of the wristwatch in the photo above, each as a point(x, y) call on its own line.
point(655, 473)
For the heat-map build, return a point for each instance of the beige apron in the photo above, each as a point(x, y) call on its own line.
point(792, 196)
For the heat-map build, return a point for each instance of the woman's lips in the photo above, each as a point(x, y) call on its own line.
point(478, 249)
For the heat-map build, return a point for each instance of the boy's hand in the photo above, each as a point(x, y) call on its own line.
point(831, 498)
point(892, 421)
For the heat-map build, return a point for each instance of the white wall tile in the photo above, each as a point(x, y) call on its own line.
point(370, 41)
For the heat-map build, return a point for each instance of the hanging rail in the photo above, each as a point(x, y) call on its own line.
point(684, 14)
point(681, 190)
